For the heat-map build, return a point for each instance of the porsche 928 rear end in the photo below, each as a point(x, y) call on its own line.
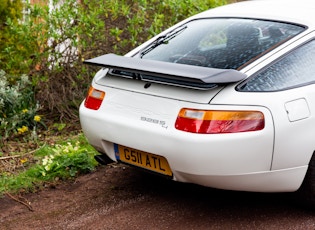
point(181, 104)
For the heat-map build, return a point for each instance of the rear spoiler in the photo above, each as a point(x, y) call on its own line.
point(165, 72)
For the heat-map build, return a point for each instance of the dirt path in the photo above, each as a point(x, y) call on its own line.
point(125, 198)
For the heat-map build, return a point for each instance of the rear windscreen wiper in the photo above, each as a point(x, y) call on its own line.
point(162, 40)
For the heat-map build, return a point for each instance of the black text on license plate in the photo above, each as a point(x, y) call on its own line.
point(142, 159)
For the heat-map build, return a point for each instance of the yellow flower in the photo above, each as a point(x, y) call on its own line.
point(24, 110)
point(37, 118)
point(24, 160)
point(23, 129)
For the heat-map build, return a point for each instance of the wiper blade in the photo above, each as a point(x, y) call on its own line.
point(163, 40)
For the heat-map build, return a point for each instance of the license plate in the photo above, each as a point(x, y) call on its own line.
point(144, 160)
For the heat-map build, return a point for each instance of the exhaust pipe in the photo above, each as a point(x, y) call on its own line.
point(103, 159)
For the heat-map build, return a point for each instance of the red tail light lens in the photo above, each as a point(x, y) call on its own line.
point(214, 121)
point(94, 99)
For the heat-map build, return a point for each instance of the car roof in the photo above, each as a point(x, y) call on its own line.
point(292, 11)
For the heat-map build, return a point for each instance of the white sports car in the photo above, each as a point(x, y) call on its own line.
point(224, 99)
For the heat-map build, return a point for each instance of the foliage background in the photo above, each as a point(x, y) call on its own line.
point(50, 43)
point(9, 9)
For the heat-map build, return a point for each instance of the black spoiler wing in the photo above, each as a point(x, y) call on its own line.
point(166, 72)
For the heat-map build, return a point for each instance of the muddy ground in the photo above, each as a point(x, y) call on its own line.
point(122, 197)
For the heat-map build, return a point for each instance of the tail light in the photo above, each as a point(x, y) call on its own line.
point(94, 99)
point(216, 121)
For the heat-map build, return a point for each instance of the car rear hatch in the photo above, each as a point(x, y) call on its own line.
point(172, 80)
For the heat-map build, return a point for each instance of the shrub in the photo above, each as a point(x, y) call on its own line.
point(12, 10)
point(67, 160)
point(18, 108)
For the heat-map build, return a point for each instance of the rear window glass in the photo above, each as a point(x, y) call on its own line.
point(223, 43)
point(293, 70)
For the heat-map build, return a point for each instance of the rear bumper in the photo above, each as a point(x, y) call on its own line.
point(286, 180)
point(241, 169)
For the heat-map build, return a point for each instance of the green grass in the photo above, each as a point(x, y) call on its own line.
point(64, 160)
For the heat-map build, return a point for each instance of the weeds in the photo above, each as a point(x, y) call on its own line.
point(51, 163)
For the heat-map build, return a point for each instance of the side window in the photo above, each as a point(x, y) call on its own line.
point(295, 69)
